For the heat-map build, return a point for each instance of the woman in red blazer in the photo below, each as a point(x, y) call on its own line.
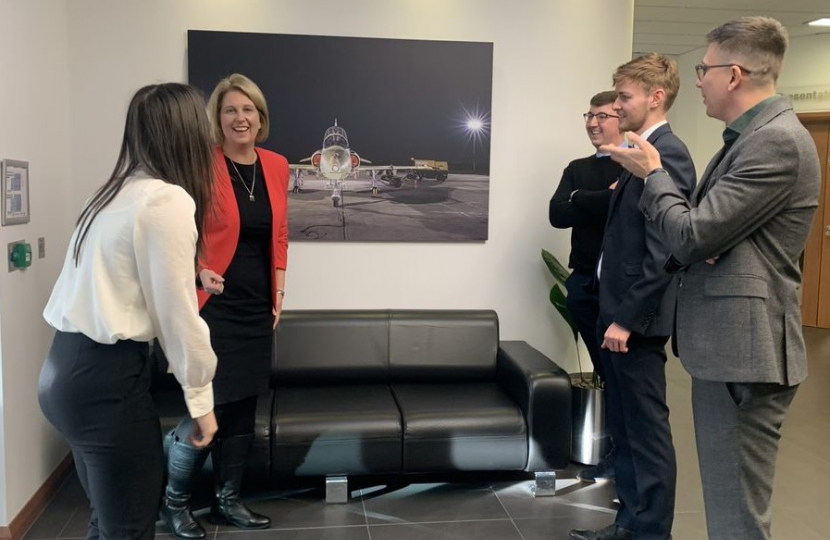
point(241, 287)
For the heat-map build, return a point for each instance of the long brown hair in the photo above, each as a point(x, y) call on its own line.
point(166, 136)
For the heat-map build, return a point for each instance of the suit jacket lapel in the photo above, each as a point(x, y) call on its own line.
point(615, 197)
point(703, 186)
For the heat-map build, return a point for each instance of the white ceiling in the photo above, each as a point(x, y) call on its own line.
point(680, 26)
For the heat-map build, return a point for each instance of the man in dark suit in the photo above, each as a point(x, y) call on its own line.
point(736, 243)
point(580, 203)
point(637, 301)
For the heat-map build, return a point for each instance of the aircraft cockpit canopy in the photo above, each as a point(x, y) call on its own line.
point(335, 136)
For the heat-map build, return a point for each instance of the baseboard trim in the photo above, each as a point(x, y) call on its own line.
point(32, 509)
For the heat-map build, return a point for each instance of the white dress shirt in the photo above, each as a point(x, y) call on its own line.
point(135, 279)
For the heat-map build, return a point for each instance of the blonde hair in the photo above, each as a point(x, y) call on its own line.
point(239, 83)
point(653, 71)
point(762, 41)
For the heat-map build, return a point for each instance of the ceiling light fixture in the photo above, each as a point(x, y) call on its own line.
point(825, 21)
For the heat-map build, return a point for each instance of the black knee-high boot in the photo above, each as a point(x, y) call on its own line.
point(229, 457)
point(183, 464)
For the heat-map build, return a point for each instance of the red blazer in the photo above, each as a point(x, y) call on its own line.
point(221, 231)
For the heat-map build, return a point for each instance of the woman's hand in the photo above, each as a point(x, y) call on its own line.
point(204, 428)
point(277, 310)
point(212, 282)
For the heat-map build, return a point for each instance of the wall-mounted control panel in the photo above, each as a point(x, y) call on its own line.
point(20, 255)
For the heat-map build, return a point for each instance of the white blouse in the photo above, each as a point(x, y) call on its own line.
point(135, 279)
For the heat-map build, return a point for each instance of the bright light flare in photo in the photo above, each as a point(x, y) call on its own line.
point(474, 125)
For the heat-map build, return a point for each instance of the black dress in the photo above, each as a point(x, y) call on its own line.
point(240, 319)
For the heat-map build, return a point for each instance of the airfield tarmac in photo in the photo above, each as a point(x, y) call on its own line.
point(419, 211)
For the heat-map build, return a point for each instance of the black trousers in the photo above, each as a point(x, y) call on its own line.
point(638, 420)
point(583, 306)
point(97, 396)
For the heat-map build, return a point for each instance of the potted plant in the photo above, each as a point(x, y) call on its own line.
point(589, 441)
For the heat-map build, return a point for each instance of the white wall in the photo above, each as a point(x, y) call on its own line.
point(35, 127)
point(806, 67)
point(549, 58)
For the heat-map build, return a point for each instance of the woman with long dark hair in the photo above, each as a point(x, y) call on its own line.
point(126, 280)
point(242, 273)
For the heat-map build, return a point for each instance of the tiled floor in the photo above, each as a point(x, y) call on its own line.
point(504, 509)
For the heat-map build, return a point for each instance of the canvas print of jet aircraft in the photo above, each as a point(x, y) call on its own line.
point(417, 111)
point(336, 162)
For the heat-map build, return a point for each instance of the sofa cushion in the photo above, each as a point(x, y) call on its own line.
point(460, 427)
point(333, 430)
point(443, 346)
point(318, 347)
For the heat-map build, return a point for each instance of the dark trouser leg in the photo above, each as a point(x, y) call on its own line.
point(184, 462)
point(236, 425)
point(98, 397)
point(584, 309)
point(738, 428)
point(125, 486)
point(638, 419)
point(80, 470)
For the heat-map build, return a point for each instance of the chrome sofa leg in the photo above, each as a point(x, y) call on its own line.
point(337, 489)
point(545, 484)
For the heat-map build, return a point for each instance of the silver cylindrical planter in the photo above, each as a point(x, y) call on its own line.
point(589, 442)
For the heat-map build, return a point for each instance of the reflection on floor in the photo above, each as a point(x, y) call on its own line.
point(504, 509)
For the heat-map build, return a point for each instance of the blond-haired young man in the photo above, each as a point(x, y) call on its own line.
point(636, 304)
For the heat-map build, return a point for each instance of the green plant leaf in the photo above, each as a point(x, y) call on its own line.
point(557, 298)
point(559, 272)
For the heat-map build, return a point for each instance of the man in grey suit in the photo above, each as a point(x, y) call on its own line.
point(736, 244)
point(636, 314)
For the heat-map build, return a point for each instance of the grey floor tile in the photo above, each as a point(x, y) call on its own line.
point(808, 523)
point(49, 525)
point(78, 524)
point(557, 528)
point(520, 503)
point(66, 502)
point(502, 529)
point(432, 502)
point(791, 525)
point(330, 533)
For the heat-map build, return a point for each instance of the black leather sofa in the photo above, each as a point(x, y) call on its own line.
point(401, 392)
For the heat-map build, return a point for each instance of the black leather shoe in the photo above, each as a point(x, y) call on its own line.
point(229, 465)
point(180, 521)
point(611, 532)
point(604, 470)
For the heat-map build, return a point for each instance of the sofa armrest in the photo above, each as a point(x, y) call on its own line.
point(543, 391)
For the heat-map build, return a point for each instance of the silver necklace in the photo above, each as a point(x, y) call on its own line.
point(242, 179)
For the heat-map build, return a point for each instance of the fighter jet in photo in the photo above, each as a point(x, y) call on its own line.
point(337, 162)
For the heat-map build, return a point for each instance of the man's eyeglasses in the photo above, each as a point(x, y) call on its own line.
point(601, 117)
point(701, 69)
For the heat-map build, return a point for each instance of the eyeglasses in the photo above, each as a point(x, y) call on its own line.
point(701, 69)
point(601, 117)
